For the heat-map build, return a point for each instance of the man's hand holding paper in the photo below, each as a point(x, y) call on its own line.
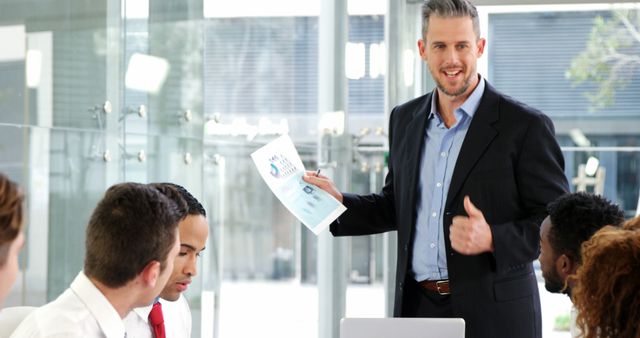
point(281, 168)
point(324, 183)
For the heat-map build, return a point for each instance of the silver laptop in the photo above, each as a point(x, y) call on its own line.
point(402, 327)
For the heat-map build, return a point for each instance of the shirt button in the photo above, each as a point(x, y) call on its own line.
point(438, 184)
point(434, 214)
point(443, 154)
point(433, 245)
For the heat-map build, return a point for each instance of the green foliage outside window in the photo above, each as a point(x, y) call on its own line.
point(611, 58)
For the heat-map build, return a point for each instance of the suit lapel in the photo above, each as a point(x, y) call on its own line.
point(415, 134)
point(479, 136)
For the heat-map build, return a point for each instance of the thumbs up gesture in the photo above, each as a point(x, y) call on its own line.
point(470, 235)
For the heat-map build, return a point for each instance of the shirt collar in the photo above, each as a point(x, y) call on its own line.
point(473, 101)
point(469, 106)
point(143, 312)
point(107, 317)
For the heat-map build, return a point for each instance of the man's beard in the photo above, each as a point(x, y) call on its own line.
point(465, 86)
point(458, 92)
point(554, 284)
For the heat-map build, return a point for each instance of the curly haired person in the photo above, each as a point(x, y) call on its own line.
point(607, 294)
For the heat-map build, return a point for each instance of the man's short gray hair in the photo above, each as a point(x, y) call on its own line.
point(448, 9)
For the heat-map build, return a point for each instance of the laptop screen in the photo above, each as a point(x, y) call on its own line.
point(402, 327)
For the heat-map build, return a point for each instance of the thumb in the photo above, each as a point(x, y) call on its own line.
point(471, 209)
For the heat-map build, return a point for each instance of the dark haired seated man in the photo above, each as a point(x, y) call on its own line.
point(131, 242)
point(573, 219)
point(170, 312)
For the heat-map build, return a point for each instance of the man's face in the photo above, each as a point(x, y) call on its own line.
point(548, 260)
point(451, 50)
point(164, 275)
point(194, 231)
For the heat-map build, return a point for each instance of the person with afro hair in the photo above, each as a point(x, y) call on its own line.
point(573, 219)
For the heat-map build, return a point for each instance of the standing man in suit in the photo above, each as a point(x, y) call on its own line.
point(470, 174)
point(171, 306)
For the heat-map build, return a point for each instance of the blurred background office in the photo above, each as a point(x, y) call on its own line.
point(95, 92)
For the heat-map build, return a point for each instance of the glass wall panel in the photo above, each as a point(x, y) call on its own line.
point(265, 255)
point(260, 80)
point(253, 93)
point(80, 113)
point(366, 73)
point(57, 118)
point(76, 183)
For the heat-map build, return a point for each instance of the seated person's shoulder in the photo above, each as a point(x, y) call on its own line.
point(56, 319)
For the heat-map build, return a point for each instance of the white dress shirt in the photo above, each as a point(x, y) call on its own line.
point(177, 320)
point(81, 311)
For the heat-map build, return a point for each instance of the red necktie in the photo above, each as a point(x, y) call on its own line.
point(156, 320)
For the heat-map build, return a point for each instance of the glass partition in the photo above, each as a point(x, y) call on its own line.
point(93, 94)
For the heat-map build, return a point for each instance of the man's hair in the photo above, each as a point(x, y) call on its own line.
point(11, 199)
point(608, 284)
point(449, 9)
point(575, 217)
point(133, 225)
point(193, 205)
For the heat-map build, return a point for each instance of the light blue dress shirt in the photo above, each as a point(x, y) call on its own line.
point(442, 146)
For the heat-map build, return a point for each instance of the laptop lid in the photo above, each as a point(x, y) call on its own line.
point(402, 327)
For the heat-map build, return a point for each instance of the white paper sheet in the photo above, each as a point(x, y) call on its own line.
point(281, 168)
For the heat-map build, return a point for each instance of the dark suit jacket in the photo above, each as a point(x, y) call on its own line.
point(511, 167)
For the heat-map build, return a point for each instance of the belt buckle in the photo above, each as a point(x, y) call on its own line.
point(438, 283)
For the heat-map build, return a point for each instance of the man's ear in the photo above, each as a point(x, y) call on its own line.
point(480, 45)
point(422, 49)
point(565, 266)
point(150, 273)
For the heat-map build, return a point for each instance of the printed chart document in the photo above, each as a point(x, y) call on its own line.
point(281, 168)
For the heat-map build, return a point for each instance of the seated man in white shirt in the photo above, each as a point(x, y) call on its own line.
point(573, 219)
point(131, 243)
point(176, 315)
